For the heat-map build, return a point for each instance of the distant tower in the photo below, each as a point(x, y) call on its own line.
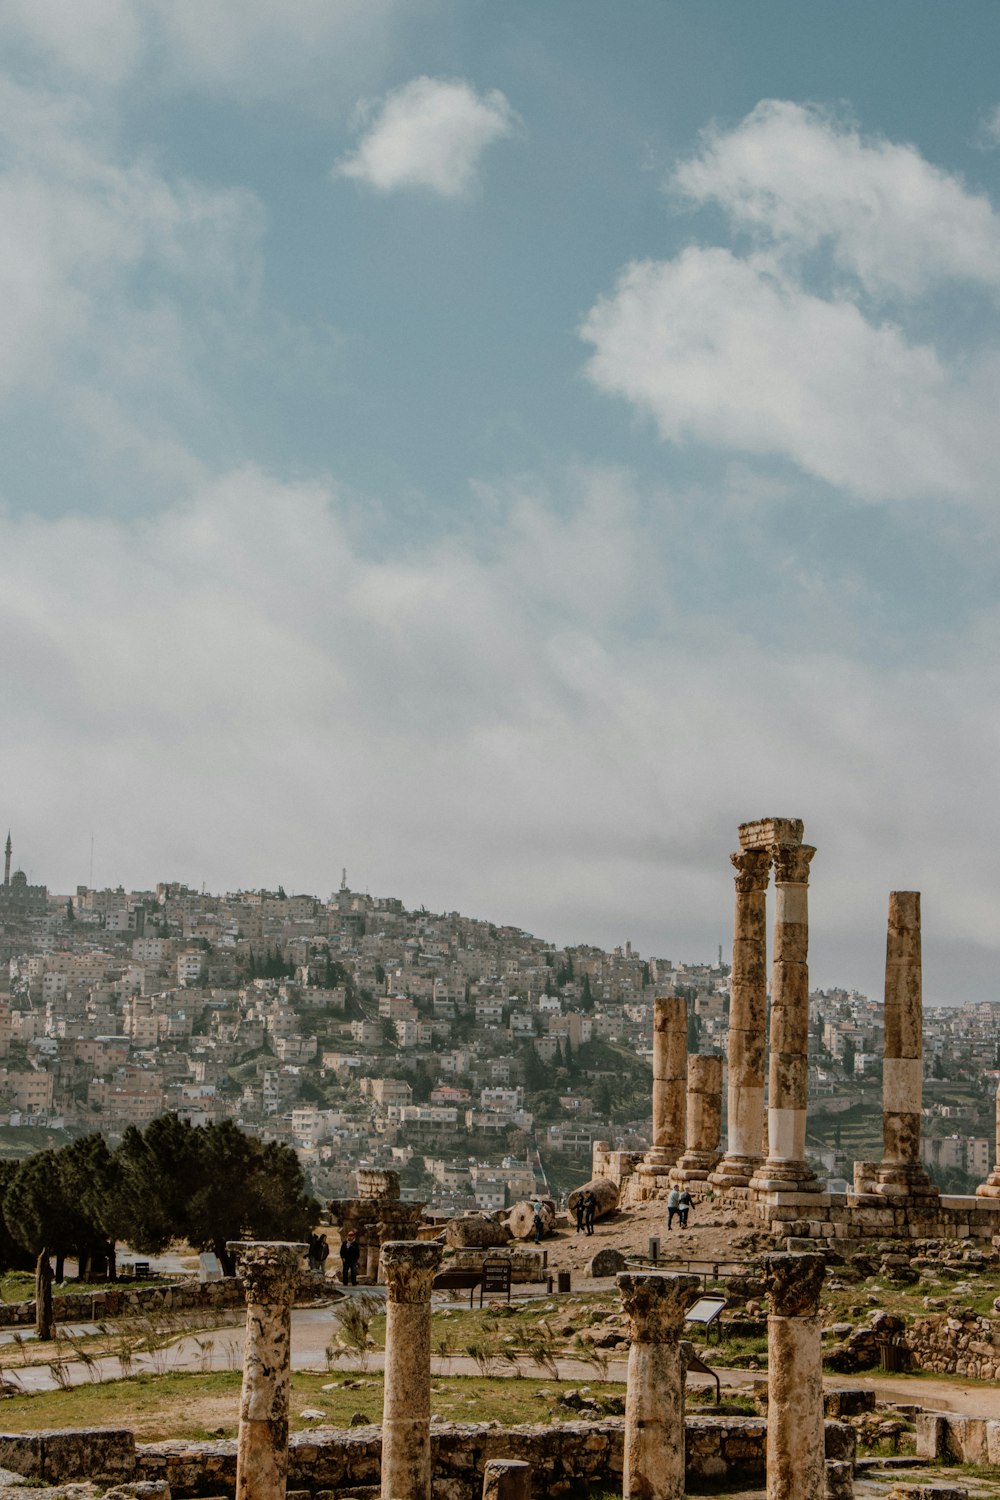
point(6, 860)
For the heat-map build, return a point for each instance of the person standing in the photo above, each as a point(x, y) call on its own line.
point(581, 1209)
point(684, 1205)
point(673, 1206)
point(350, 1254)
point(322, 1254)
point(589, 1210)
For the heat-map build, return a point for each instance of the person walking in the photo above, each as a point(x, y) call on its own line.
point(684, 1205)
point(538, 1224)
point(322, 1253)
point(581, 1209)
point(673, 1206)
point(589, 1210)
point(350, 1254)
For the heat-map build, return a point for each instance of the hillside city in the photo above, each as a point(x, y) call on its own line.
point(479, 1060)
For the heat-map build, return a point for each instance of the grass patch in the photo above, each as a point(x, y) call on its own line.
point(200, 1406)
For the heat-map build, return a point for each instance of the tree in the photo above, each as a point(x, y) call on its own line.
point(158, 1170)
point(90, 1178)
point(13, 1254)
point(847, 1061)
point(586, 997)
point(37, 1212)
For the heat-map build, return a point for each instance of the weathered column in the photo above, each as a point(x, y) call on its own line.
point(788, 1072)
point(901, 1170)
point(408, 1268)
point(796, 1459)
point(506, 1479)
point(704, 1120)
point(747, 1020)
point(655, 1304)
point(991, 1187)
point(269, 1273)
point(670, 1032)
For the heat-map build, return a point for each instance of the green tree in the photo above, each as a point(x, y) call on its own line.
point(37, 1212)
point(847, 1061)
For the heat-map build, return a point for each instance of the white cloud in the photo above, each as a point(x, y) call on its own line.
point(800, 178)
point(754, 353)
point(729, 351)
point(431, 134)
point(306, 51)
point(989, 128)
point(249, 697)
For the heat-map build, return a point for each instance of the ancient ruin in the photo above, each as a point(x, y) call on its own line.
point(654, 1404)
point(704, 1123)
point(269, 1274)
point(796, 1455)
point(408, 1269)
point(670, 1036)
point(377, 1215)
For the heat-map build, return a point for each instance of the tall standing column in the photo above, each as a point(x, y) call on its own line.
point(408, 1268)
point(655, 1304)
point(900, 1170)
point(704, 1119)
point(747, 1021)
point(269, 1273)
point(670, 1033)
point(796, 1460)
point(991, 1187)
point(788, 1073)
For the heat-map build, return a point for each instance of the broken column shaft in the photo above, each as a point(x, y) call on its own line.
point(269, 1273)
point(670, 1032)
point(654, 1401)
point(747, 1021)
point(991, 1187)
point(704, 1119)
point(901, 1171)
point(408, 1268)
point(785, 1169)
point(796, 1460)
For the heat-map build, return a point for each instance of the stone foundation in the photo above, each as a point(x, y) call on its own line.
point(563, 1455)
point(121, 1302)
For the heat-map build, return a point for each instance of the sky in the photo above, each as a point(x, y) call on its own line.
point(498, 448)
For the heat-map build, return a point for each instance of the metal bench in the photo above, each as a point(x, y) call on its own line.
point(141, 1270)
point(446, 1281)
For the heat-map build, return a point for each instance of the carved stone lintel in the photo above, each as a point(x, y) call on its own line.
point(408, 1268)
point(791, 863)
point(753, 870)
point(793, 1284)
point(655, 1303)
point(268, 1270)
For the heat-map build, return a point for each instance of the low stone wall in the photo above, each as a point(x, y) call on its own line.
point(563, 1456)
point(866, 1216)
point(960, 1343)
point(526, 1265)
point(121, 1302)
point(962, 1440)
point(56, 1456)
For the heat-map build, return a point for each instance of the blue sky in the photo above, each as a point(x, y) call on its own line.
point(500, 447)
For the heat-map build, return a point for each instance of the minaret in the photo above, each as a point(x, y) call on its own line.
point(6, 861)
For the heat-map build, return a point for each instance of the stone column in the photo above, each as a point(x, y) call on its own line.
point(991, 1187)
point(747, 1021)
point(506, 1479)
point(704, 1119)
point(901, 1171)
point(408, 1268)
point(788, 1072)
point(269, 1273)
point(655, 1304)
point(796, 1457)
point(670, 1031)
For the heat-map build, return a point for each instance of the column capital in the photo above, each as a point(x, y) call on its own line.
point(791, 863)
point(268, 1270)
point(409, 1268)
point(753, 870)
point(793, 1284)
point(655, 1303)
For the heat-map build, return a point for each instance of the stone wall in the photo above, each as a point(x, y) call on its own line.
point(121, 1302)
point(525, 1265)
point(955, 1439)
point(960, 1343)
point(564, 1456)
point(849, 1216)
